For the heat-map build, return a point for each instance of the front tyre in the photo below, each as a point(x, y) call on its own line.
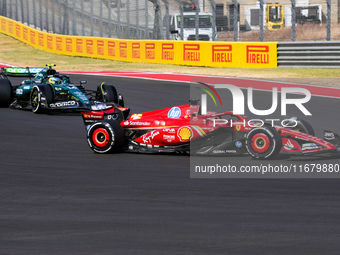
point(41, 96)
point(107, 93)
point(263, 142)
point(106, 137)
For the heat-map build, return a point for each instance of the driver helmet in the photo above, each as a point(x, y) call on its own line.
point(54, 80)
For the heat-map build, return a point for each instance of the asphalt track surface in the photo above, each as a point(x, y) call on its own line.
point(58, 197)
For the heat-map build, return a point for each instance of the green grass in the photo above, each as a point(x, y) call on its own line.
point(17, 53)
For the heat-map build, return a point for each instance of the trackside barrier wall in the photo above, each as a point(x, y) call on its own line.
point(190, 53)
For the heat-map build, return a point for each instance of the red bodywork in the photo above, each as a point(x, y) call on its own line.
point(183, 124)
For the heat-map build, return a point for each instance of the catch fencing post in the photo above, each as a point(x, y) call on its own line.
point(235, 20)
point(328, 20)
point(293, 19)
point(213, 7)
point(181, 15)
point(261, 20)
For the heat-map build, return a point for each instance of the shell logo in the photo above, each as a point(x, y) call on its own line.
point(184, 134)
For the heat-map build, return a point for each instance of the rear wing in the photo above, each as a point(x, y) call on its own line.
point(332, 137)
point(21, 71)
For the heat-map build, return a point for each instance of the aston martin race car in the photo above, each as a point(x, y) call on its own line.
point(183, 129)
point(47, 90)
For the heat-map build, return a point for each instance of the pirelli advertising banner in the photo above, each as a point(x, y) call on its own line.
point(190, 53)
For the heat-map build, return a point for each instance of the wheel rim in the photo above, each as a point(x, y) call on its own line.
point(260, 143)
point(101, 137)
point(35, 99)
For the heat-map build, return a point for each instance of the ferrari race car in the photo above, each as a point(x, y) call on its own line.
point(46, 90)
point(182, 129)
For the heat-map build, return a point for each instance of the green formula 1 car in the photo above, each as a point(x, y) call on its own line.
point(46, 90)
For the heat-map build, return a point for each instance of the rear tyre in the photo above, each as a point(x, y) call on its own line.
point(263, 142)
point(107, 93)
point(304, 127)
point(106, 137)
point(5, 93)
point(41, 96)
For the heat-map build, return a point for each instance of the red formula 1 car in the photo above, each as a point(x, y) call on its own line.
point(182, 129)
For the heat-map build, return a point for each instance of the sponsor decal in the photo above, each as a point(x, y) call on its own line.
point(89, 47)
point(112, 117)
point(32, 37)
point(184, 134)
point(150, 52)
point(100, 47)
point(223, 151)
point(18, 30)
point(59, 43)
point(309, 146)
point(41, 39)
point(290, 145)
point(149, 136)
point(169, 138)
point(169, 130)
point(99, 107)
point(222, 53)
point(3, 24)
point(63, 104)
point(191, 52)
point(25, 33)
point(111, 49)
point(238, 144)
point(69, 44)
point(135, 50)
point(174, 113)
point(168, 52)
point(238, 127)
point(91, 116)
point(329, 136)
point(11, 27)
point(50, 42)
point(257, 54)
point(22, 70)
point(79, 45)
point(19, 91)
point(123, 49)
point(136, 116)
point(137, 123)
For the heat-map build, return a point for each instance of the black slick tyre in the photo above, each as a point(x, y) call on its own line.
point(106, 137)
point(107, 93)
point(41, 96)
point(263, 142)
point(5, 93)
